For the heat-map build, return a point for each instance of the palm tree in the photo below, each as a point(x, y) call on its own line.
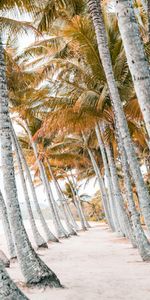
point(8, 289)
point(57, 223)
point(141, 239)
point(39, 241)
point(101, 186)
point(136, 57)
point(33, 268)
point(142, 191)
point(49, 235)
point(61, 199)
point(6, 226)
point(113, 203)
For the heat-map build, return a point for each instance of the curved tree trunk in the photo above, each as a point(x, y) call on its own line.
point(35, 271)
point(104, 52)
point(39, 241)
point(7, 230)
point(141, 239)
point(102, 191)
point(123, 217)
point(61, 228)
point(76, 202)
point(136, 57)
point(109, 181)
point(101, 187)
point(61, 200)
point(4, 259)
point(73, 222)
point(49, 235)
point(58, 226)
point(8, 289)
point(79, 201)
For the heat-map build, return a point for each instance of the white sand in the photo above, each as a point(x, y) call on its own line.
point(96, 265)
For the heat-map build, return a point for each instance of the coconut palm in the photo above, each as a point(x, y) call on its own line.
point(136, 57)
point(6, 226)
point(48, 233)
point(8, 289)
point(143, 194)
point(39, 241)
point(33, 268)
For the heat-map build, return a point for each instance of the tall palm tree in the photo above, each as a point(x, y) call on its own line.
point(8, 289)
point(49, 235)
point(39, 241)
point(136, 57)
point(96, 14)
point(33, 268)
point(6, 226)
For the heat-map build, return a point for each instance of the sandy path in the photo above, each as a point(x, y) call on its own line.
point(95, 265)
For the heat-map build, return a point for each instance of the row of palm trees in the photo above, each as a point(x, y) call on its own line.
point(81, 94)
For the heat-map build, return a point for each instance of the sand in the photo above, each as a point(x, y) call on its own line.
point(96, 265)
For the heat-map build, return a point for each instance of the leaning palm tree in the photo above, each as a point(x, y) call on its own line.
point(8, 289)
point(96, 14)
point(136, 57)
point(6, 226)
point(49, 235)
point(39, 241)
point(33, 268)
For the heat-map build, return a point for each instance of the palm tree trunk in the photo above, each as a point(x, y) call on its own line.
point(61, 200)
point(101, 187)
point(104, 52)
point(49, 235)
point(39, 241)
point(8, 289)
point(55, 208)
point(76, 202)
point(75, 225)
point(109, 181)
point(136, 57)
point(141, 239)
point(35, 271)
point(4, 259)
point(58, 226)
point(6, 226)
point(102, 191)
point(79, 202)
point(125, 223)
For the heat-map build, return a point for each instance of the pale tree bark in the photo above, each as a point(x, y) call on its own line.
point(142, 191)
point(49, 235)
point(79, 201)
point(35, 271)
point(136, 57)
point(102, 190)
point(61, 200)
point(55, 208)
point(4, 259)
point(124, 221)
point(72, 219)
point(141, 239)
point(39, 241)
point(6, 226)
point(57, 224)
point(8, 289)
point(76, 203)
point(109, 181)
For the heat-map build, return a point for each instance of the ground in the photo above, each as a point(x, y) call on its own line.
point(96, 265)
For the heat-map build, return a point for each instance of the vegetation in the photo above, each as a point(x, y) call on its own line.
point(80, 96)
